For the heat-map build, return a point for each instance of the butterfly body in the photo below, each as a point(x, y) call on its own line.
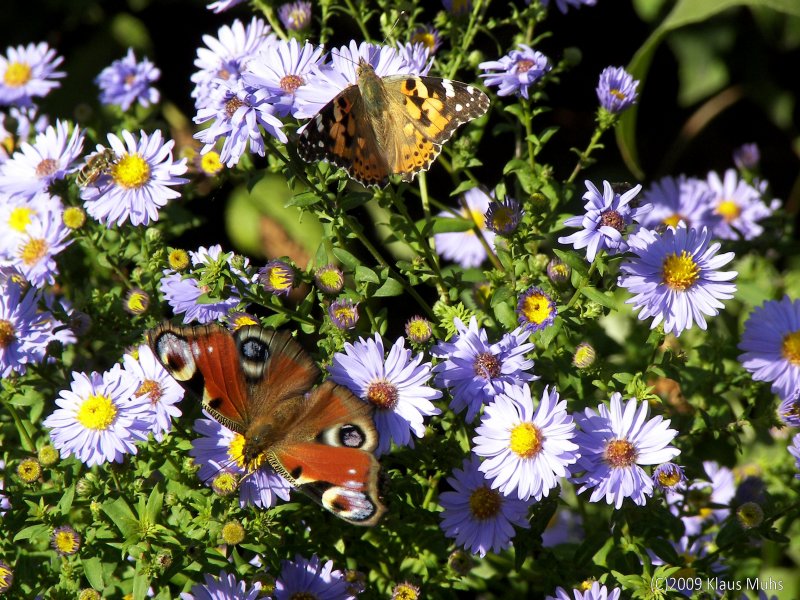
point(260, 383)
point(393, 125)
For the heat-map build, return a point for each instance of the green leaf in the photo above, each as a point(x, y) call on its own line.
point(93, 570)
point(685, 12)
point(450, 224)
point(347, 259)
point(602, 298)
point(390, 287)
point(577, 263)
point(365, 274)
point(122, 516)
point(303, 200)
point(154, 504)
point(65, 504)
point(32, 532)
point(506, 315)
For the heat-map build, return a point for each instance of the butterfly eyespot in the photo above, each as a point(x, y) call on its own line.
point(175, 354)
point(352, 436)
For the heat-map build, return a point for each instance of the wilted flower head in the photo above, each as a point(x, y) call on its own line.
point(516, 72)
point(584, 356)
point(127, 81)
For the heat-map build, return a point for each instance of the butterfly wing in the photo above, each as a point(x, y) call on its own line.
point(328, 454)
point(341, 134)
point(427, 111)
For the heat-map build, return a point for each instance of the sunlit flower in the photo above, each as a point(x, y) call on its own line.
point(23, 335)
point(35, 251)
point(138, 184)
point(427, 35)
point(311, 578)
point(536, 309)
point(329, 279)
point(65, 540)
point(679, 200)
point(771, 345)
point(98, 419)
point(516, 72)
point(616, 89)
point(136, 301)
point(676, 277)
point(526, 451)
point(27, 72)
point(613, 443)
point(739, 205)
point(222, 5)
point(277, 277)
point(477, 517)
point(465, 247)
point(596, 591)
point(224, 587)
point(127, 81)
point(397, 387)
point(503, 217)
point(418, 329)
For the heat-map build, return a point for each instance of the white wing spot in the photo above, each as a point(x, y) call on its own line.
point(459, 108)
point(448, 88)
point(470, 90)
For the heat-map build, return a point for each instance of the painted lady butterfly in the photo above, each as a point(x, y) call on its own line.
point(389, 125)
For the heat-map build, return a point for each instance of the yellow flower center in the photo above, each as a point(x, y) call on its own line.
point(680, 272)
point(289, 83)
point(620, 454)
point(74, 217)
point(66, 541)
point(477, 217)
point(617, 94)
point(426, 38)
point(484, 503)
point(225, 484)
point(233, 533)
point(243, 321)
point(279, 279)
point(97, 412)
point(33, 251)
point(20, 218)
point(7, 333)
point(791, 347)
point(152, 389)
point(47, 167)
point(210, 163)
point(728, 210)
point(17, 74)
point(673, 220)
point(419, 329)
point(345, 314)
point(382, 394)
point(29, 470)
point(178, 260)
point(137, 303)
point(536, 308)
point(404, 591)
point(669, 478)
point(236, 454)
point(526, 440)
point(131, 171)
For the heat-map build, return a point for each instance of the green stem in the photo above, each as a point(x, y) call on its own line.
point(583, 158)
point(584, 281)
point(356, 17)
point(24, 436)
point(526, 122)
point(269, 13)
point(466, 41)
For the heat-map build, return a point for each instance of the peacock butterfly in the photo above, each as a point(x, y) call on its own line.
point(258, 383)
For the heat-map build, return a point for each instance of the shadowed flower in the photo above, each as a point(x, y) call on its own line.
point(694, 505)
point(616, 89)
point(558, 272)
point(23, 335)
point(613, 443)
point(311, 578)
point(503, 217)
point(224, 587)
point(397, 387)
point(678, 200)
point(789, 410)
point(465, 247)
point(477, 517)
point(535, 309)
point(595, 591)
point(526, 450)
point(794, 450)
point(329, 279)
point(669, 477)
point(6, 576)
point(739, 205)
point(584, 356)
point(675, 277)
point(771, 345)
point(606, 219)
point(428, 36)
point(127, 81)
point(457, 8)
point(295, 16)
point(65, 540)
point(138, 184)
point(516, 72)
point(136, 301)
point(27, 72)
point(277, 277)
point(747, 157)
point(343, 313)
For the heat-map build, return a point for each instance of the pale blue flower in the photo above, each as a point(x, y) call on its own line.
point(127, 81)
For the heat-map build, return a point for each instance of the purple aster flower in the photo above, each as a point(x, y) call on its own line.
point(606, 219)
point(325, 81)
point(746, 157)
point(329, 279)
point(739, 205)
point(158, 386)
point(536, 309)
point(343, 313)
point(224, 587)
point(464, 247)
point(526, 451)
point(427, 35)
point(565, 528)
point(417, 56)
point(222, 5)
point(457, 8)
point(563, 5)
point(597, 591)
point(18, 212)
point(28, 71)
point(99, 418)
point(675, 277)
point(613, 443)
point(669, 477)
point(516, 72)
point(694, 506)
point(678, 199)
point(477, 517)
point(794, 450)
point(219, 450)
point(23, 334)
point(295, 16)
point(226, 56)
point(302, 578)
point(34, 255)
point(503, 217)
point(476, 371)
point(65, 540)
point(558, 272)
point(138, 184)
point(127, 81)
point(616, 89)
point(35, 166)
point(5, 504)
point(397, 387)
point(789, 410)
point(282, 71)
point(771, 345)
point(277, 277)
point(184, 293)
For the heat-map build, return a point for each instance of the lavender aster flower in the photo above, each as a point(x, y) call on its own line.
point(464, 247)
point(127, 81)
point(701, 495)
point(343, 313)
point(516, 72)
point(295, 16)
point(224, 587)
point(676, 277)
point(607, 216)
point(669, 477)
point(222, 5)
point(156, 385)
point(536, 309)
point(678, 200)
point(220, 450)
point(282, 71)
point(35, 166)
point(416, 56)
point(476, 371)
point(34, 255)
point(771, 345)
point(794, 450)
point(28, 71)
point(18, 212)
point(595, 592)
point(789, 410)
point(302, 578)
point(477, 517)
point(138, 184)
point(747, 157)
point(277, 277)
point(739, 205)
point(65, 540)
point(23, 335)
point(396, 387)
point(613, 443)
point(563, 5)
point(503, 217)
point(526, 451)
point(616, 89)
point(98, 419)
